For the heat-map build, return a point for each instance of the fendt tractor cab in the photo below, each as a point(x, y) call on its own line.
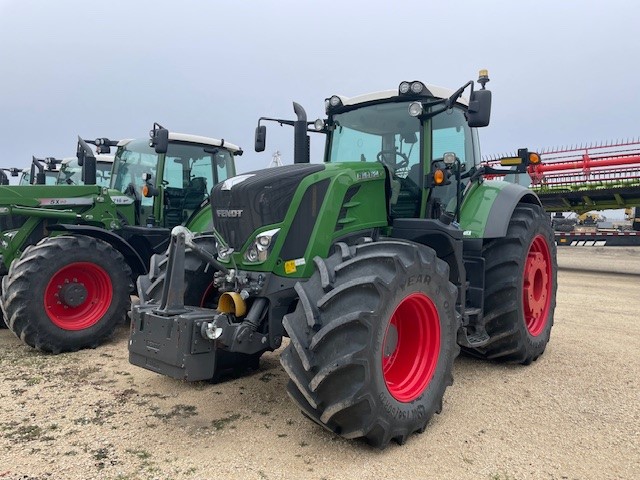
point(43, 171)
point(69, 254)
point(71, 172)
point(378, 264)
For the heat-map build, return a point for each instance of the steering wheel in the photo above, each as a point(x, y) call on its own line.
point(397, 166)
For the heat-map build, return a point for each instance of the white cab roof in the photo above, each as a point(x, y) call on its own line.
point(186, 137)
point(438, 92)
point(100, 158)
point(103, 158)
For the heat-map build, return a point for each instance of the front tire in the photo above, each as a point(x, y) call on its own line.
point(520, 288)
point(373, 340)
point(66, 293)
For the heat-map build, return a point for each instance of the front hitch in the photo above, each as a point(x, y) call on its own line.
point(180, 341)
point(167, 337)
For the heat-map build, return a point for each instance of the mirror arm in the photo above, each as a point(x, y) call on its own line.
point(277, 120)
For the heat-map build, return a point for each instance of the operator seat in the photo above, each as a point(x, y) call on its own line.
point(195, 193)
point(414, 174)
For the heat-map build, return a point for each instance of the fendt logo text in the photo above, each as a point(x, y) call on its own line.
point(229, 213)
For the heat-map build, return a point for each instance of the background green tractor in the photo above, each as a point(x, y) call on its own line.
point(70, 172)
point(378, 264)
point(66, 171)
point(42, 171)
point(69, 253)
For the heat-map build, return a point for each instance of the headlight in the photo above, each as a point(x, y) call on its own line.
point(412, 88)
point(417, 87)
point(251, 255)
point(416, 109)
point(261, 247)
point(263, 241)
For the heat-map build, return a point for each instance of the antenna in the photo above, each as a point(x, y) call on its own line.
point(275, 160)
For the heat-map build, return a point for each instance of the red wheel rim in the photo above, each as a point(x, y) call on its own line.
point(536, 287)
point(78, 295)
point(411, 347)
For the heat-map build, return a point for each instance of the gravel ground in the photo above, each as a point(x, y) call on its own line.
point(573, 414)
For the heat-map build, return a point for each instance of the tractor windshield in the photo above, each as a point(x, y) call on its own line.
point(131, 161)
point(71, 173)
point(386, 133)
point(382, 132)
point(49, 175)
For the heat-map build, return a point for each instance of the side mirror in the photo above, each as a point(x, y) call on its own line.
point(87, 160)
point(160, 140)
point(479, 111)
point(261, 138)
point(39, 176)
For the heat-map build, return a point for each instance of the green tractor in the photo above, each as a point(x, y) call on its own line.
point(70, 172)
point(69, 254)
point(43, 171)
point(379, 264)
point(54, 171)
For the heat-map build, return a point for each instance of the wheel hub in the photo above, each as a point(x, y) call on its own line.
point(411, 347)
point(535, 284)
point(72, 294)
point(78, 295)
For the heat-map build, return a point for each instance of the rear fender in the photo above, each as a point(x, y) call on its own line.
point(488, 206)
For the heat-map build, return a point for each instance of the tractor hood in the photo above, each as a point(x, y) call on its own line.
point(245, 202)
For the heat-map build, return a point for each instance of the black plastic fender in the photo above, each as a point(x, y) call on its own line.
point(503, 207)
point(139, 266)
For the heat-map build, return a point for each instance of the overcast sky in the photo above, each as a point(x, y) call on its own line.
point(562, 72)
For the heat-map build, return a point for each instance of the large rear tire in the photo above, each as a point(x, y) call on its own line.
point(66, 293)
point(520, 288)
point(373, 340)
point(199, 292)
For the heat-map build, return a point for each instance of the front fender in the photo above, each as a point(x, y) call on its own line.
point(131, 256)
point(487, 207)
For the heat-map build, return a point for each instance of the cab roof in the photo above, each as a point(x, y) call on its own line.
point(100, 158)
point(437, 92)
point(197, 139)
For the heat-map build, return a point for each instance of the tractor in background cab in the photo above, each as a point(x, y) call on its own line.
point(70, 254)
point(378, 264)
point(42, 171)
